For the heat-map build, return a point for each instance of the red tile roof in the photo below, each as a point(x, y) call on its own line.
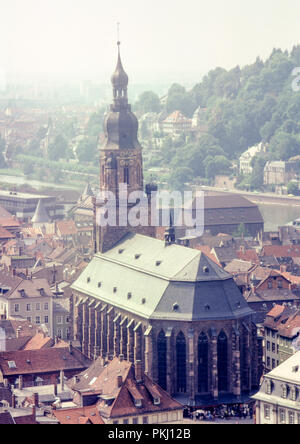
point(104, 380)
point(277, 310)
point(80, 415)
point(207, 251)
point(290, 277)
point(66, 228)
point(38, 341)
point(285, 320)
point(5, 234)
point(4, 213)
point(248, 255)
point(42, 361)
point(9, 222)
point(282, 250)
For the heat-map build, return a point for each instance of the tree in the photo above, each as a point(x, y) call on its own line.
point(180, 177)
point(2, 150)
point(95, 124)
point(241, 231)
point(148, 102)
point(59, 149)
point(293, 188)
point(87, 149)
point(284, 145)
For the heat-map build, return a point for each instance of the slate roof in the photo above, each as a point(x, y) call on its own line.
point(230, 209)
point(6, 418)
point(142, 275)
point(225, 254)
point(238, 266)
point(19, 288)
point(272, 295)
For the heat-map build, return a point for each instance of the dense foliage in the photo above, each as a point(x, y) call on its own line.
point(245, 106)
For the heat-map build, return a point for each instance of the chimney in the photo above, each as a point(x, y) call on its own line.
point(13, 401)
point(20, 382)
point(36, 399)
point(119, 381)
point(34, 411)
point(55, 388)
point(138, 371)
point(283, 268)
point(121, 358)
point(62, 380)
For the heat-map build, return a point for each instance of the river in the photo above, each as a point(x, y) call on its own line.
point(19, 180)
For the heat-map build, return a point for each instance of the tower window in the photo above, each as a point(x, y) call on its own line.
point(126, 175)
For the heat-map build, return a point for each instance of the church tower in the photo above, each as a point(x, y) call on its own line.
point(120, 157)
point(121, 153)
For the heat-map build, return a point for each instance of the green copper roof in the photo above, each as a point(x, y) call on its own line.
point(145, 277)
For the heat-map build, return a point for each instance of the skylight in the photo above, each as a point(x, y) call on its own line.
point(11, 364)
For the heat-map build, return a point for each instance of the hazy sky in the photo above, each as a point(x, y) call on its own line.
point(162, 40)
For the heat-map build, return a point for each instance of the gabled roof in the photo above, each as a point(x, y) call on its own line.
point(87, 191)
point(79, 415)
point(38, 342)
point(248, 255)
point(66, 227)
point(5, 234)
point(176, 117)
point(237, 266)
point(124, 394)
point(9, 222)
point(18, 288)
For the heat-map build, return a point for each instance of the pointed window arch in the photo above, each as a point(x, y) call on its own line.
point(222, 362)
point(126, 175)
point(162, 359)
point(181, 362)
point(202, 363)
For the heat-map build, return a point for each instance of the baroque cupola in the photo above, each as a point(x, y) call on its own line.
point(120, 124)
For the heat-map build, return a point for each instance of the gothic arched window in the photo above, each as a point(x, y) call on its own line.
point(181, 362)
point(202, 363)
point(162, 360)
point(222, 362)
point(126, 175)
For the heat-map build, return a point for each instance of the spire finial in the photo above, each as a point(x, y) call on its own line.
point(118, 34)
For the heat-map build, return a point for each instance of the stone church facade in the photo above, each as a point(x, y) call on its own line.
point(157, 302)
